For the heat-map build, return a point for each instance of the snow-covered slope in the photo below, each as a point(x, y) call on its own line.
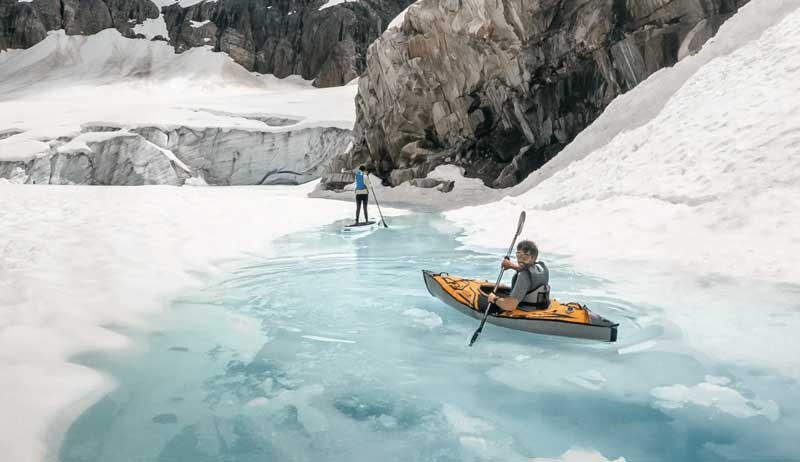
point(698, 203)
point(711, 179)
point(67, 87)
point(647, 100)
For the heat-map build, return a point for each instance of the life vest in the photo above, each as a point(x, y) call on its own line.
point(361, 185)
point(537, 297)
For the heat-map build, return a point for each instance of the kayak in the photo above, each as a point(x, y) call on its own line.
point(564, 319)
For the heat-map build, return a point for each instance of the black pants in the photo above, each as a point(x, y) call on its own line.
point(359, 199)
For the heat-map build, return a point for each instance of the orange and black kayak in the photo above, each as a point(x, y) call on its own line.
point(567, 320)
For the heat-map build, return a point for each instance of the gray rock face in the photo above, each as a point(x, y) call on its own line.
point(22, 25)
point(127, 13)
point(337, 181)
point(220, 157)
point(501, 87)
point(286, 37)
point(281, 37)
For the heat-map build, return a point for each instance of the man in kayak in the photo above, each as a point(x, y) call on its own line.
point(362, 193)
point(530, 287)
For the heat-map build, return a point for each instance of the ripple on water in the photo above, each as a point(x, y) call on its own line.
point(339, 353)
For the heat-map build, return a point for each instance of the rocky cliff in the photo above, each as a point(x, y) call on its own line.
point(499, 87)
point(285, 37)
point(281, 37)
point(24, 24)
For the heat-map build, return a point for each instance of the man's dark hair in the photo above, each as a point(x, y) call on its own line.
point(362, 167)
point(528, 247)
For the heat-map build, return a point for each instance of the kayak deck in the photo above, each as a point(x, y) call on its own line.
point(568, 320)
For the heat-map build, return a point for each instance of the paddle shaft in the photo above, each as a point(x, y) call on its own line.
point(379, 207)
point(520, 224)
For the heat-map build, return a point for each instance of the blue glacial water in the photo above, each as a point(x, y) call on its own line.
point(332, 349)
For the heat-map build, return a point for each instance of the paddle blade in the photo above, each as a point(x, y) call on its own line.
point(475, 335)
point(521, 223)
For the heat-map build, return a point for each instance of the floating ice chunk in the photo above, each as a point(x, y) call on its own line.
point(387, 422)
point(262, 401)
point(479, 437)
point(312, 419)
point(578, 454)
point(591, 380)
point(423, 318)
point(637, 347)
point(327, 339)
point(717, 380)
point(462, 423)
point(706, 394)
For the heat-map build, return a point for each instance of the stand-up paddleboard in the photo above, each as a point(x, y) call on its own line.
point(360, 226)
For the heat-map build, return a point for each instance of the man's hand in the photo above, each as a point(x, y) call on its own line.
point(492, 297)
point(508, 264)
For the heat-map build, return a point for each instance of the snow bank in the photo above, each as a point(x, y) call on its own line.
point(696, 207)
point(75, 259)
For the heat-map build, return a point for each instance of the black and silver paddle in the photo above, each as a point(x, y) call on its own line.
point(379, 207)
point(499, 278)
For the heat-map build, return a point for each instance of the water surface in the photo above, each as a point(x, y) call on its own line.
point(332, 349)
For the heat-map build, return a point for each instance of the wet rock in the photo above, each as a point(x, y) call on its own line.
point(425, 182)
point(337, 181)
point(402, 175)
point(446, 186)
